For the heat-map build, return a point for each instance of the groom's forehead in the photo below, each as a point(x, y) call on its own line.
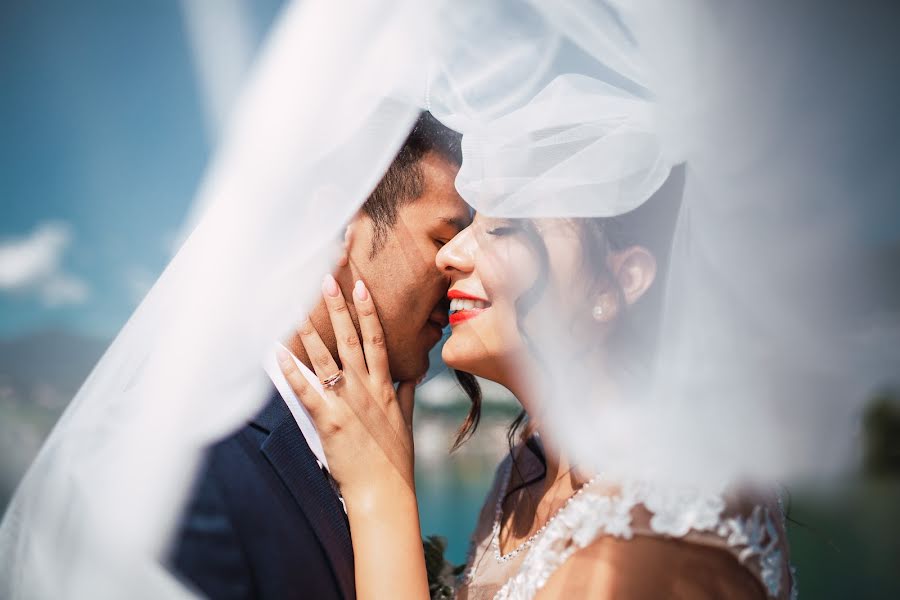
point(437, 208)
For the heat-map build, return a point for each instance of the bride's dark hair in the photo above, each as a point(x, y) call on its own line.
point(635, 331)
point(470, 386)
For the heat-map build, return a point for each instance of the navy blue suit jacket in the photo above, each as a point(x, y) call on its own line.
point(263, 521)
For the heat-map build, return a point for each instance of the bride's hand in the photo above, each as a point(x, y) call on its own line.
point(364, 423)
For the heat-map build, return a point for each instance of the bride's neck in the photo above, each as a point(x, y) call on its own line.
point(560, 473)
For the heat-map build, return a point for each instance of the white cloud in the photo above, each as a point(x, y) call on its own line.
point(64, 289)
point(32, 264)
point(24, 262)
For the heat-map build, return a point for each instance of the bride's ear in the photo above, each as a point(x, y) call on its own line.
point(635, 270)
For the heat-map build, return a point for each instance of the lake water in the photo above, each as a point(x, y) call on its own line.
point(845, 542)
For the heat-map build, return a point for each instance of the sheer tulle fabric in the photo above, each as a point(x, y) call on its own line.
point(568, 109)
point(322, 117)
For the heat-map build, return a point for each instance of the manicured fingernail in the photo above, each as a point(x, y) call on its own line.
point(330, 286)
point(282, 355)
point(360, 292)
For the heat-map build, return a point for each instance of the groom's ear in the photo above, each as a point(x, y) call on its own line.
point(344, 257)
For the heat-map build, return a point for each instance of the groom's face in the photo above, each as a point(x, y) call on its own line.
point(400, 271)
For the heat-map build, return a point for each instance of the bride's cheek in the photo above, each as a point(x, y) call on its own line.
point(508, 271)
point(508, 338)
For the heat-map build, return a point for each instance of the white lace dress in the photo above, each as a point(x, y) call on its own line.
point(751, 532)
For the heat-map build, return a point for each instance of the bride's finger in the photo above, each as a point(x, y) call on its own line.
point(322, 361)
point(344, 330)
point(372, 333)
point(309, 398)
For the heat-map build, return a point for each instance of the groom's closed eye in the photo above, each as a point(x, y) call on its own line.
point(446, 229)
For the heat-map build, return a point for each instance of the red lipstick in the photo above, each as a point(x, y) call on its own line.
point(464, 315)
point(458, 315)
point(455, 294)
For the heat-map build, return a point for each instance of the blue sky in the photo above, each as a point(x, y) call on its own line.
point(106, 126)
point(103, 140)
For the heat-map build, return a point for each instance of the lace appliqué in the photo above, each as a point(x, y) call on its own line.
point(675, 513)
point(573, 528)
point(759, 538)
point(498, 518)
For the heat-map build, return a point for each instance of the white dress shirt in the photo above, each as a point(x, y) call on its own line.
point(304, 421)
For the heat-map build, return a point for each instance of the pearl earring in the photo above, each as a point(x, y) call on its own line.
point(598, 312)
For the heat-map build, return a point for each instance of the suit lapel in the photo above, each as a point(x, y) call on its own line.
point(287, 451)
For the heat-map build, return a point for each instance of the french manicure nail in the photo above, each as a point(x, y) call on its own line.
point(281, 354)
point(360, 291)
point(330, 286)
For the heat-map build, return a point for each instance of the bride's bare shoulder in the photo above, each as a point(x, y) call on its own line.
point(648, 567)
point(729, 546)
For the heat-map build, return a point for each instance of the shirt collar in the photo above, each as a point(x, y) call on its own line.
point(298, 411)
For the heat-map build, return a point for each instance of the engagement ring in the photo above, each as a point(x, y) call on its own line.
point(332, 380)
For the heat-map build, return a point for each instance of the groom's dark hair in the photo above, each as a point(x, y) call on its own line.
point(404, 182)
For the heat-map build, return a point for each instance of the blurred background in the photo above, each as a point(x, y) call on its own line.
point(109, 112)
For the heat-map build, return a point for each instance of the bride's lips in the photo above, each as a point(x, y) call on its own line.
point(464, 306)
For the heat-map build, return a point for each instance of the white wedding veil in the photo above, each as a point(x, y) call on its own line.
point(577, 109)
point(328, 105)
point(581, 109)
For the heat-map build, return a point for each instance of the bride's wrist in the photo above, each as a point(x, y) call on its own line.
point(379, 498)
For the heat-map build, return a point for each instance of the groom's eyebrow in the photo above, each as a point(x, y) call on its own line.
point(455, 222)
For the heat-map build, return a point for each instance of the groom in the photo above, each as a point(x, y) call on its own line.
point(265, 520)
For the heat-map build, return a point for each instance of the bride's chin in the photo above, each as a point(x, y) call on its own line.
point(450, 358)
point(456, 356)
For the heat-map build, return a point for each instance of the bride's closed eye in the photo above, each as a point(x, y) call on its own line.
point(503, 228)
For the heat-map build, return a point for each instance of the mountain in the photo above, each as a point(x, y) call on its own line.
point(39, 375)
point(46, 368)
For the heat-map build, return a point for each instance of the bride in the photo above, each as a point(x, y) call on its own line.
point(549, 528)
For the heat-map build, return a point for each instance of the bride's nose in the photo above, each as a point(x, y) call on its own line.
point(456, 256)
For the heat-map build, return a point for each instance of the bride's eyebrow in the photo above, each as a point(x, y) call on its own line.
point(499, 221)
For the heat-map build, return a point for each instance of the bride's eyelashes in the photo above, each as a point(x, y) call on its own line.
point(501, 230)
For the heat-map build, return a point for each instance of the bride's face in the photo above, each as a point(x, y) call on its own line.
point(495, 268)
